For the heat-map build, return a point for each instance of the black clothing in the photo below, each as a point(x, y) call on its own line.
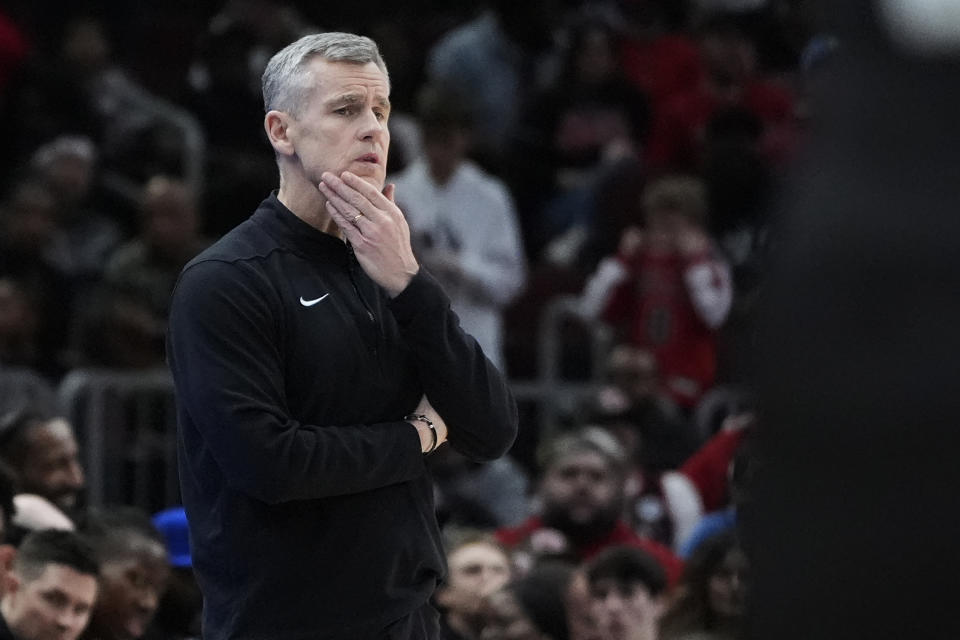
point(310, 505)
point(5, 633)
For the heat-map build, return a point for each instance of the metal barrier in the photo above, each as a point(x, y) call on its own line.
point(126, 425)
point(126, 421)
point(554, 395)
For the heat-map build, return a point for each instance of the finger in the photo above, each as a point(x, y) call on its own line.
point(350, 231)
point(378, 199)
point(355, 195)
point(388, 192)
point(346, 209)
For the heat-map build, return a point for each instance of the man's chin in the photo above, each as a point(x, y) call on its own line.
point(370, 173)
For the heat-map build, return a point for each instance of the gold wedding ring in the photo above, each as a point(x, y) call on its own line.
point(356, 217)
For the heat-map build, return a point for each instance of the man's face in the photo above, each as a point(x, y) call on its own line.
point(51, 467)
point(343, 125)
point(54, 606)
point(727, 586)
point(132, 587)
point(581, 491)
point(620, 609)
point(476, 570)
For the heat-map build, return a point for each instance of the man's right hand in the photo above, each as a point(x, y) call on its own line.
point(375, 227)
point(426, 436)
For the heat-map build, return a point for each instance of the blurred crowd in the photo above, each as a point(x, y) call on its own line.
point(622, 152)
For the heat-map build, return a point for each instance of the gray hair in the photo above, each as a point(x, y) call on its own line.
point(285, 86)
point(592, 439)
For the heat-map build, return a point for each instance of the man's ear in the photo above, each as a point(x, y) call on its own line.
point(276, 124)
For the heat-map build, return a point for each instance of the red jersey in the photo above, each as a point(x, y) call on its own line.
point(654, 308)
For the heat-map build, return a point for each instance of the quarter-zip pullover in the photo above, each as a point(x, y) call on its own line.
point(310, 506)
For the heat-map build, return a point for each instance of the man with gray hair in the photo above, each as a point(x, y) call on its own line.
point(315, 365)
point(581, 492)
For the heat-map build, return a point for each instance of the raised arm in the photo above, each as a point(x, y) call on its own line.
point(465, 388)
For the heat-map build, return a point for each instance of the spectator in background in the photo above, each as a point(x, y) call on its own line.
point(494, 58)
point(628, 592)
point(581, 491)
point(655, 52)
point(477, 566)
point(739, 181)
point(224, 93)
point(724, 519)
point(586, 120)
point(668, 289)
point(84, 237)
point(710, 602)
point(532, 607)
point(134, 573)
point(709, 467)
point(51, 588)
point(124, 327)
point(42, 452)
point(19, 325)
point(178, 615)
point(146, 268)
point(463, 225)
point(27, 230)
point(633, 404)
point(82, 88)
point(730, 79)
point(662, 504)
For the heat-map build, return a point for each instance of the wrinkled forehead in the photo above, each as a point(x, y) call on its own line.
point(334, 76)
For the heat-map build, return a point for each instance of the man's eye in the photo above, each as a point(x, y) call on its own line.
point(344, 111)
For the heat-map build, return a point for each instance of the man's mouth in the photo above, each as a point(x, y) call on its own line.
point(369, 157)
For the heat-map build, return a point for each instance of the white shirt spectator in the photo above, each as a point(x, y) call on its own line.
point(466, 234)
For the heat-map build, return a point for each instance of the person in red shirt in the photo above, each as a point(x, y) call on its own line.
point(582, 503)
point(668, 289)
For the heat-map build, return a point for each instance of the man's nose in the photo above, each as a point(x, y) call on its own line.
point(67, 619)
point(613, 602)
point(371, 126)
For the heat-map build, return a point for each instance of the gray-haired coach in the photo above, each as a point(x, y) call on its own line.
point(315, 365)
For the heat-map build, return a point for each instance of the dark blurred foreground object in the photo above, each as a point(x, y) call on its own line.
point(854, 533)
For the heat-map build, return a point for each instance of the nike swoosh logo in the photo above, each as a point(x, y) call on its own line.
point(310, 303)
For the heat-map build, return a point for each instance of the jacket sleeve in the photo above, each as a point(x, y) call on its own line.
point(229, 381)
point(461, 383)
